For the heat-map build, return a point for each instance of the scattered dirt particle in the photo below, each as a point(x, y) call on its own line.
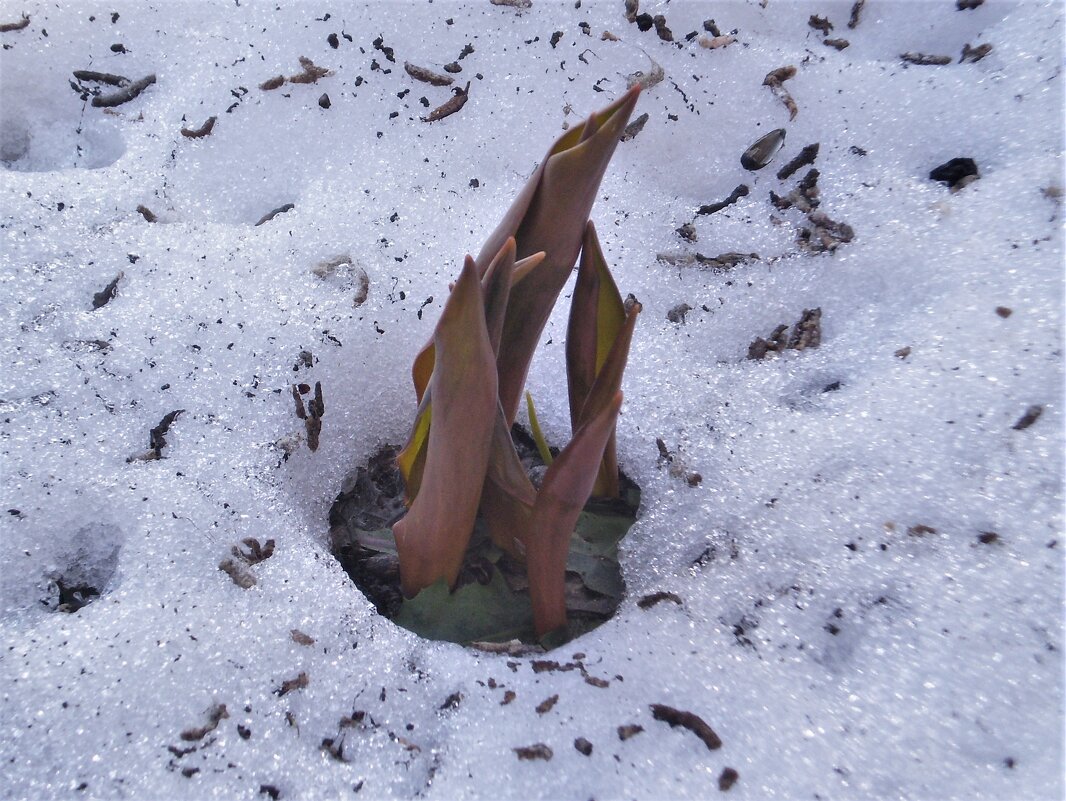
point(663, 32)
point(837, 44)
point(537, 750)
point(300, 638)
point(1032, 414)
point(974, 54)
point(272, 83)
point(596, 681)
point(634, 128)
point(820, 24)
point(546, 705)
point(968, 5)
point(244, 732)
point(215, 715)
point(677, 314)
point(583, 746)
point(452, 701)
point(508, 696)
point(903, 352)
point(297, 683)
point(629, 730)
point(236, 571)
point(920, 530)
point(690, 721)
point(1004, 311)
point(107, 294)
point(256, 553)
point(648, 601)
point(333, 41)
point(727, 779)
point(988, 538)
point(145, 212)
point(956, 173)
point(826, 235)
point(807, 333)
point(270, 790)
point(687, 232)
point(324, 101)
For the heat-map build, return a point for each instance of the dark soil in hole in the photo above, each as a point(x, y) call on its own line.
point(491, 599)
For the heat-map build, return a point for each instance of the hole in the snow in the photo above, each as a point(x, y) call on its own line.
point(490, 603)
point(83, 573)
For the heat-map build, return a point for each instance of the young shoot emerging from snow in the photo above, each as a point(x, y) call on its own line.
point(460, 461)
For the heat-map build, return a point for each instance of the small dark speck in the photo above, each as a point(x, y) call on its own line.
point(1009, 762)
point(1004, 311)
point(988, 537)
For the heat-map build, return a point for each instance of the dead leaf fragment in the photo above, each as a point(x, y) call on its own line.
point(426, 75)
point(215, 715)
point(300, 638)
point(451, 106)
point(297, 683)
point(546, 705)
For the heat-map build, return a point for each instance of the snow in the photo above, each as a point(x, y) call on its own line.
point(843, 628)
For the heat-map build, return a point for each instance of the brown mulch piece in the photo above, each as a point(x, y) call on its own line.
point(146, 212)
point(968, 5)
point(838, 44)
point(629, 730)
point(805, 157)
point(583, 746)
point(925, 60)
point(807, 333)
point(426, 75)
point(108, 293)
point(856, 11)
point(727, 779)
point(238, 573)
point(820, 24)
point(300, 638)
point(1032, 414)
point(215, 715)
point(272, 83)
point(289, 685)
point(202, 131)
point(775, 79)
point(535, 751)
point(974, 54)
point(689, 720)
point(546, 705)
point(311, 72)
point(101, 77)
point(451, 106)
point(826, 235)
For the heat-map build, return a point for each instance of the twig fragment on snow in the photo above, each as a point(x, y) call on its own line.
point(519, 4)
point(775, 79)
point(805, 157)
point(125, 94)
point(451, 106)
point(101, 77)
point(270, 215)
point(426, 75)
point(734, 196)
point(925, 60)
point(856, 11)
point(202, 131)
point(689, 720)
point(15, 26)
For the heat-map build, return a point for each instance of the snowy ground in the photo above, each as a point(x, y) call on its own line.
point(848, 625)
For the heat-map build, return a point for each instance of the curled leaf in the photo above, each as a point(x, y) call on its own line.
point(432, 538)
